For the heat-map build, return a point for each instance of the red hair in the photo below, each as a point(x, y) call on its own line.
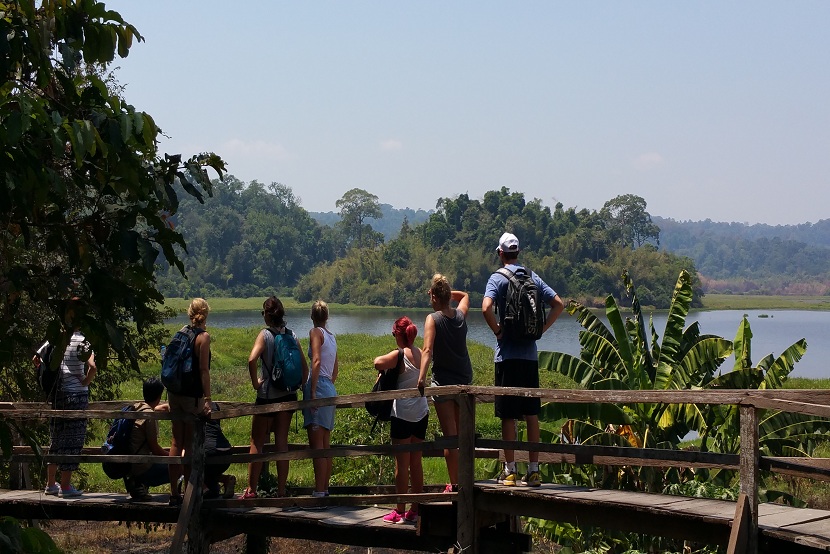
point(405, 328)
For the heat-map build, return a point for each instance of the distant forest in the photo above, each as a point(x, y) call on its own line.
point(250, 239)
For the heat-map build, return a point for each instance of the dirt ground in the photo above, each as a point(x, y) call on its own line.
point(94, 537)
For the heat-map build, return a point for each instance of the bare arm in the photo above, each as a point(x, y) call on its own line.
point(556, 307)
point(426, 351)
point(488, 309)
point(203, 344)
point(315, 337)
point(304, 362)
point(463, 300)
point(91, 370)
point(387, 361)
point(256, 352)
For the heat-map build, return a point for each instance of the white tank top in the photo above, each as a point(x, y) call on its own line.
point(328, 353)
point(409, 409)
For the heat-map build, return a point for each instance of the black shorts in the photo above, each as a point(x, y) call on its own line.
point(402, 429)
point(517, 373)
point(290, 397)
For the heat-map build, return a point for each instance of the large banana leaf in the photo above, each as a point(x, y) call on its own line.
point(604, 354)
point(588, 320)
point(747, 378)
point(642, 338)
point(623, 344)
point(743, 345)
point(569, 366)
point(783, 365)
point(595, 413)
point(700, 362)
point(670, 349)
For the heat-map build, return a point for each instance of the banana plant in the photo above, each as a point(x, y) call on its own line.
point(624, 356)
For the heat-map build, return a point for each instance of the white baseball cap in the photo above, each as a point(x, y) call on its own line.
point(508, 243)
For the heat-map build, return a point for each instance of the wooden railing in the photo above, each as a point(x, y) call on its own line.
point(748, 462)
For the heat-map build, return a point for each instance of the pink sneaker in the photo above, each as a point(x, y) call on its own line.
point(392, 517)
point(451, 488)
point(410, 516)
point(248, 494)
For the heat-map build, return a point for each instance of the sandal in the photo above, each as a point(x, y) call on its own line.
point(248, 494)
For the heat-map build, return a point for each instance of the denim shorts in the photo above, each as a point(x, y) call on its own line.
point(324, 415)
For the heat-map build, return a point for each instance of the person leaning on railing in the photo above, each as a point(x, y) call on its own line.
point(408, 423)
point(445, 346)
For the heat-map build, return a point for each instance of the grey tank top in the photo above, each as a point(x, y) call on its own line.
point(450, 360)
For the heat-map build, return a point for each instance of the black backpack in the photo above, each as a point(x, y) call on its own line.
point(47, 376)
point(524, 309)
point(387, 380)
point(118, 443)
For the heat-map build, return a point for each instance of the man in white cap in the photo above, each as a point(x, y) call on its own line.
point(516, 359)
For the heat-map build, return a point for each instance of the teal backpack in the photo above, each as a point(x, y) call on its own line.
point(287, 371)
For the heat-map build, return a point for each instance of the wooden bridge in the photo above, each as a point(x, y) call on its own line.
point(481, 516)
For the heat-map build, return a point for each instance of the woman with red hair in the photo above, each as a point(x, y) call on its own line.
point(409, 416)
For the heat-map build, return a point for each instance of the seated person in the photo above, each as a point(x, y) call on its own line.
point(144, 440)
point(216, 445)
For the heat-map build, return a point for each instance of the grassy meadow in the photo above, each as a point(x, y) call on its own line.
point(230, 382)
point(762, 302)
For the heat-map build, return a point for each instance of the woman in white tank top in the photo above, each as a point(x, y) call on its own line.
point(409, 416)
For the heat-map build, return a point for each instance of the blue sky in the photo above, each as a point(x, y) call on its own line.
point(712, 110)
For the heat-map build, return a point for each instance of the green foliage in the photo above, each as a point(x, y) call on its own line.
point(247, 241)
point(86, 198)
point(15, 538)
point(356, 206)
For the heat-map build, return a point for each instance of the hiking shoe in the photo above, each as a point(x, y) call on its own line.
point(393, 517)
point(52, 490)
point(532, 479)
point(410, 516)
point(141, 497)
point(69, 492)
point(507, 478)
point(248, 494)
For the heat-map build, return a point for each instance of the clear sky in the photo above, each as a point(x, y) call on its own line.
point(716, 110)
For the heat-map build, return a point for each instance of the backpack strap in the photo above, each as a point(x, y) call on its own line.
point(400, 361)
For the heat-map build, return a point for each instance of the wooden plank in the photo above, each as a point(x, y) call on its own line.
point(792, 516)
point(740, 527)
point(617, 455)
point(750, 460)
point(356, 517)
point(811, 468)
point(466, 521)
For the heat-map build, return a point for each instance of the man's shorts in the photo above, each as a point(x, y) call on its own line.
point(186, 404)
point(401, 429)
point(522, 374)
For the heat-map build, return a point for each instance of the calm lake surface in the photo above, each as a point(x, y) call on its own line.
point(772, 333)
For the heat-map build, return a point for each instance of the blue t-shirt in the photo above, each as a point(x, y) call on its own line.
point(497, 290)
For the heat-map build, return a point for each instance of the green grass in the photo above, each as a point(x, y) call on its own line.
point(761, 302)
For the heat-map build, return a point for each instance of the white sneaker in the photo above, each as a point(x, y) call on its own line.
point(52, 490)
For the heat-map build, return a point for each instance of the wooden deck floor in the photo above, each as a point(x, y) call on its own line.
point(699, 519)
point(782, 528)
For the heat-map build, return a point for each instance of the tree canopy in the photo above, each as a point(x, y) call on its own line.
point(86, 198)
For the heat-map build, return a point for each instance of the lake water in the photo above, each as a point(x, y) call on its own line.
point(771, 334)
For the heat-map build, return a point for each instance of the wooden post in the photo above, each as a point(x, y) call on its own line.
point(749, 473)
point(190, 516)
point(466, 521)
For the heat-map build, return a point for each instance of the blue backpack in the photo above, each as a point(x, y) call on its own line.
point(287, 371)
point(177, 373)
point(118, 443)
